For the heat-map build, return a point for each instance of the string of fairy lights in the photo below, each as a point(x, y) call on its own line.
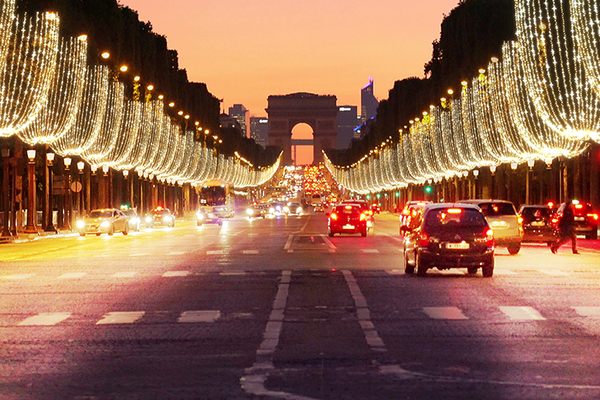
point(49, 95)
point(540, 101)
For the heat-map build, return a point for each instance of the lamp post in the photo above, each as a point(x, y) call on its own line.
point(475, 175)
point(513, 167)
point(493, 171)
point(49, 209)
point(31, 206)
point(5, 193)
point(126, 184)
point(80, 166)
point(68, 208)
point(106, 195)
point(530, 164)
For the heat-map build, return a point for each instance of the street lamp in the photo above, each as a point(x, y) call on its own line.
point(513, 167)
point(49, 209)
point(68, 210)
point(5, 191)
point(475, 174)
point(530, 164)
point(493, 171)
point(106, 195)
point(31, 208)
point(80, 166)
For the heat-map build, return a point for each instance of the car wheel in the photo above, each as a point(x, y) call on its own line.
point(198, 223)
point(592, 236)
point(408, 268)
point(330, 232)
point(472, 270)
point(126, 230)
point(111, 231)
point(488, 269)
point(98, 234)
point(81, 234)
point(514, 248)
point(420, 265)
point(363, 233)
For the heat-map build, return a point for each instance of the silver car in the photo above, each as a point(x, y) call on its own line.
point(102, 221)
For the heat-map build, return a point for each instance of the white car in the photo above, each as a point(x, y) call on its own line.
point(103, 221)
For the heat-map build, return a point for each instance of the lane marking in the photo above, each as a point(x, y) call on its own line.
point(500, 271)
point(171, 274)
point(395, 272)
point(592, 312)
point(121, 317)
point(553, 272)
point(176, 253)
point(45, 319)
point(73, 275)
point(288, 243)
point(369, 251)
point(233, 273)
point(139, 254)
point(199, 316)
point(522, 313)
point(125, 274)
point(18, 276)
point(444, 313)
point(250, 252)
point(214, 252)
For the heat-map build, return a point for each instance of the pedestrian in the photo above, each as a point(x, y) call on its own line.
point(566, 229)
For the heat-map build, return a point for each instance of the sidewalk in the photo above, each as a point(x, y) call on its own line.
point(29, 237)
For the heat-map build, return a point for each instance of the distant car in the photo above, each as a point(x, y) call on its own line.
point(275, 209)
point(348, 218)
point(134, 219)
point(376, 209)
point(216, 214)
point(103, 221)
point(450, 236)
point(537, 224)
point(407, 216)
point(256, 211)
point(586, 219)
point(319, 207)
point(365, 208)
point(504, 220)
point(160, 216)
point(293, 209)
point(222, 212)
point(200, 216)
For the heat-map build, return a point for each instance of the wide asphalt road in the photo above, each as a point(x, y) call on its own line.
point(274, 308)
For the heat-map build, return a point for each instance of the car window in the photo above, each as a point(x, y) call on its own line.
point(101, 214)
point(497, 209)
point(535, 212)
point(454, 217)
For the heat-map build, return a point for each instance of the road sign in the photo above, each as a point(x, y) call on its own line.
point(76, 186)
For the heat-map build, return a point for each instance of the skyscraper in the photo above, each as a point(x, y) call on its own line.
point(242, 116)
point(347, 119)
point(368, 102)
point(259, 130)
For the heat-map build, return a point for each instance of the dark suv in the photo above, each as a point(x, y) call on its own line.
point(586, 220)
point(347, 218)
point(537, 224)
point(450, 236)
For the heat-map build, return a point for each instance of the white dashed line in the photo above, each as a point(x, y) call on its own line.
point(444, 313)
point(552, 272)
point(176, 253)
point(214, 252)
point(592, 312)
point(121, 317)
point(199, 316)
point(522, 313)
point(171, 274)
point(72, 275)
point(250, 252)
point(125, 274)
point(18, 277)
point(45, 319)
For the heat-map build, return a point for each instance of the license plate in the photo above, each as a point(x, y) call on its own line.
point(579, 219)
point(348, 226)
point(458, 246)
point(538, 223)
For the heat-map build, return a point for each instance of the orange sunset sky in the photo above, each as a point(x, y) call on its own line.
point(246, 50)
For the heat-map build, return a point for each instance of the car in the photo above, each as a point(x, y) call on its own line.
point(256, 211)
point(108, 220)
point(222, 212)
point(275, 208)
point(365, 208)
point(293, 209)
point(376, 209)
point(504, 220)
point(347, 218)
point(586, 219)
point(411, 208)
point(319, 207)
point(216, 214)
point(537, 224)
point(200, 216)
point(134, 219)
point(162, 216)
point(448, 236)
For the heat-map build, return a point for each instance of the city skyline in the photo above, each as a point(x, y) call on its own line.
point(246, 51)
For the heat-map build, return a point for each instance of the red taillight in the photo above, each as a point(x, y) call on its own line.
point(423, 239)
point(489, 238)
point(520, 220)
point(362, 217)
point(333, 216)
point(595, 216)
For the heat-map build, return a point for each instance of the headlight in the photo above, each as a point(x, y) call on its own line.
point(200, 215)
point(148, 219)
point(286, 209)
point(80, 224)
point(249, 211)
point(299, 210)
point(105, 224)
point(272, 210)
point(167, 218)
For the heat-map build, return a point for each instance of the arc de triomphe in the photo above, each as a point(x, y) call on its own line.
point(319, 112)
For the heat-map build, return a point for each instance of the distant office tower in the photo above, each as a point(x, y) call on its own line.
point(368, 102)
point(227, 121)
point(347, 120)
point(241, 114)
point(259, 130)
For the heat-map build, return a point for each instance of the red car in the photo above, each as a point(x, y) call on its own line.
point(347, 218)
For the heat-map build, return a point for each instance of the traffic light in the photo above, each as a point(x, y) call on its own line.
point(428, 189)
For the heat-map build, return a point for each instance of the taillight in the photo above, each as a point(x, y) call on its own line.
point(423, 239)
point(489, 238)
point(595, 216)
point(370, 212)
point(520, 220)
point(333, 216)
point(362, 217)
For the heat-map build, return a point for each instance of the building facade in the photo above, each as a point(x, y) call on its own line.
point(368, 102)
point(259, 130)
point(347, 120)
point(242, 116)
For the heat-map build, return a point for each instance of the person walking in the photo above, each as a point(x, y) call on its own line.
point(566, 229)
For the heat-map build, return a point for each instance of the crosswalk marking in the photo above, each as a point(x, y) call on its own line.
point(72, 275)
point(45, 319)
point(125, 274)
point(170, 274)
point(126, 317)
point(593, 312)
point(444, 313)
point(522, 313)
point(199, 316)
point(18, 276)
